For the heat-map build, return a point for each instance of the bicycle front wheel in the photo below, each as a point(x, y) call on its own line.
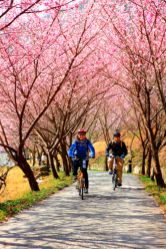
point(114, 181)
point(81, 188)
point(82, 193)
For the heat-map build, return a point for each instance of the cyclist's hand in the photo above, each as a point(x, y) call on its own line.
point(122, 156)
point(111, 155)
point(92, 156)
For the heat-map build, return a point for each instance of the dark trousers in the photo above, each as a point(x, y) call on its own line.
point(78, 164)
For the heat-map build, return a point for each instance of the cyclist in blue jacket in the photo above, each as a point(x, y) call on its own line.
point(80, 151)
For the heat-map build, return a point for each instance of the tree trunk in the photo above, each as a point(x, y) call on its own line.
point(155, 155)
point(69, 164)
point(51, 162)
point(34, 156)
point(65, 165)
point(48, 165)
point(57, 162)
point(64, 159)
point(106, 164)
point(39, 155)
point(25, 167)
point(143, 161)
point(152, 176)
point(149, 163)
point(157, 169)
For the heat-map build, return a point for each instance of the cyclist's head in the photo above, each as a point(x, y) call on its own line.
point(117, 136)
point(81, 134)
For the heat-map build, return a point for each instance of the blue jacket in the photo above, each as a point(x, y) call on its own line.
point(80, 149)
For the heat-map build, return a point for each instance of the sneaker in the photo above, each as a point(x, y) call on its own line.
point(86, 190)
point(110, 172)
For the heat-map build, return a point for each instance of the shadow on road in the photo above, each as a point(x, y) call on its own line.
point(126, 218)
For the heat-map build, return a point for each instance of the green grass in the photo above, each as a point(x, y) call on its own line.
point(163, 198)
point(11, 207)
point(151, 187)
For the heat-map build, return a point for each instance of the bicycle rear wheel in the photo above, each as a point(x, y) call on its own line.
point(81, 188)
point(82, 193)
point(114, 180)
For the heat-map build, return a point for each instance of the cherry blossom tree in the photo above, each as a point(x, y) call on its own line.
point(64, 63)
point(141, 55)
point(11, 10)
point(37, 58)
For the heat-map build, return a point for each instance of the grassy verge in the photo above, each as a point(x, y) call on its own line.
point(158, 193)
point(12, 207)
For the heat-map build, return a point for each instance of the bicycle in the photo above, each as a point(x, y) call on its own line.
point(115, 173)
point(81, 180)
point(81, 184)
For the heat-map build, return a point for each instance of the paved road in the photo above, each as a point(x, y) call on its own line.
point(126, 218)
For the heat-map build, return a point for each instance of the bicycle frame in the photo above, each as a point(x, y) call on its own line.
point(81, 184)
point(81, 179)
point(114, 176)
